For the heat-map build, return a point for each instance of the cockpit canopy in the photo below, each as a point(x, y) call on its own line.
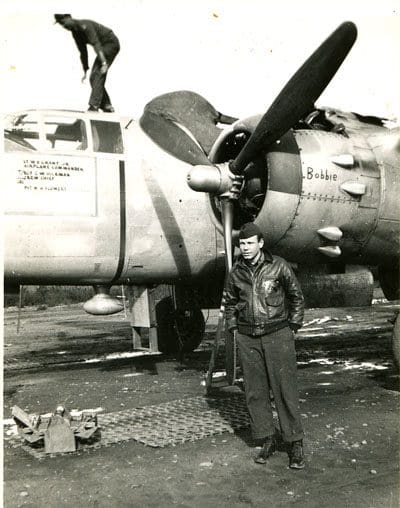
point(61, 131)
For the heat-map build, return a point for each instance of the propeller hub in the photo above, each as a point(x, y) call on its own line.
point(211, 179)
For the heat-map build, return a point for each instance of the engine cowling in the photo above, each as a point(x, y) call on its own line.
point(319, 196)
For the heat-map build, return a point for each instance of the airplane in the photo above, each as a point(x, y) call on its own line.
point(100, 199)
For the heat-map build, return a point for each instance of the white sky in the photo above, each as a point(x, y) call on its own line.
point(237, 54)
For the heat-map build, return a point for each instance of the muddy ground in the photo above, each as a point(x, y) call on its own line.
point(349, 402)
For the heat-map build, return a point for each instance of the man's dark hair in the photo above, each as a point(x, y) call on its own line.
point(60, 17)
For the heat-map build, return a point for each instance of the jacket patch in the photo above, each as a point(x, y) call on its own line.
point(269, 286)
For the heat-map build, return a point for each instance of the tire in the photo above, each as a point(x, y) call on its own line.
point(178, 331)
point(389, 281)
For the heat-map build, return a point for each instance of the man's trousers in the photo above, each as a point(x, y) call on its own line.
point(99, 97)
point(269, 363)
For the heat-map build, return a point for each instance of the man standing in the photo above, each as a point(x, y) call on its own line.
point(264, 303)
point(106, 46)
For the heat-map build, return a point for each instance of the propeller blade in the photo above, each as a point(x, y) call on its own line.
point(217, 340)
point(227, 223)
point(173, 139)
point(299, 94)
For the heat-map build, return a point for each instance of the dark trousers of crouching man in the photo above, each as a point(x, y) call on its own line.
point(99, 97)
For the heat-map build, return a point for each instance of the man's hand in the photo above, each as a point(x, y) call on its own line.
point(84, 77)
point(103, 68)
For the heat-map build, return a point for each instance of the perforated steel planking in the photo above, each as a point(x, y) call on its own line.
point(166, 424)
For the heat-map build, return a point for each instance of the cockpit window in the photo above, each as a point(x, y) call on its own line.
point(24, 132)
point(65, 133)
point(48, 131)
point(21, 132)
point(107, 137)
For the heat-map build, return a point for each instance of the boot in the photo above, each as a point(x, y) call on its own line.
point(296, 456)
point(108, 109)
point(267, 450)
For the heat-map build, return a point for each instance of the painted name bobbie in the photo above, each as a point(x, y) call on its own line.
point(321, 174)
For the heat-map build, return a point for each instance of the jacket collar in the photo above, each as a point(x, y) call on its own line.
point(266, 257)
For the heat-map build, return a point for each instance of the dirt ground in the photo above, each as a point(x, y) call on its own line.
point(348, 395)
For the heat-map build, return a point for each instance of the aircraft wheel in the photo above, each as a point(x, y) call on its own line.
point(180, 330)
point(396, 341)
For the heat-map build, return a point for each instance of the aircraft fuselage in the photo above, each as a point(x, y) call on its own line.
point(91, 199)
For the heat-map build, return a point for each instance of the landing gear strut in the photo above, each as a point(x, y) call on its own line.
point(169, 315)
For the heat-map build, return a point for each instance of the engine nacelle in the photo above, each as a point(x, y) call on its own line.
point(321, 197)
point(352, 288)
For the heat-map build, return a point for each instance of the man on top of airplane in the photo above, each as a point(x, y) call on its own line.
point(106, 46)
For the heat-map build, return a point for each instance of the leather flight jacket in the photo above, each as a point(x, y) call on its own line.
point(264, 298)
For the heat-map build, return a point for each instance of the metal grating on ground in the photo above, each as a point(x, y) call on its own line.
point(169, 423)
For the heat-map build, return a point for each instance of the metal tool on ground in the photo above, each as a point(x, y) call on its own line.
point(60, 431)
point(59, 436)
point(28, 427)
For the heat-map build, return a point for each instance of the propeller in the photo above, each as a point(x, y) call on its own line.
point(294, 101)
point(299, 94)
